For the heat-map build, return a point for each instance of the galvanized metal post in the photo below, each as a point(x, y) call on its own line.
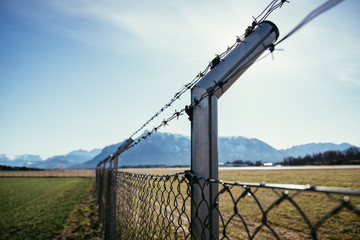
point(204, 162)
point(112, 199)
point(114, 187)
point(104, 197)
point(204, 131)
point(111, 161)
point(116, 162)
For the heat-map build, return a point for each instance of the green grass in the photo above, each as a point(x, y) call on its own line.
point(35, 208)
point(82, 222)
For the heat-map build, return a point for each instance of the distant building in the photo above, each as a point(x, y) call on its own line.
point(268, 164)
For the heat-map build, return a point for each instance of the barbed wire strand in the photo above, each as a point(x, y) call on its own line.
point(271, 7)
point(324, 7)
point(268, 6)
point(239, 39)
point(195, 102)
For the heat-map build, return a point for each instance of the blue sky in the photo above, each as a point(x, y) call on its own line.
point(86, 74)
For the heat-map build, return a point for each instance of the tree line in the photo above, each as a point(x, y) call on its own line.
point(346, 157)
point(245, 163)
point(9, 168)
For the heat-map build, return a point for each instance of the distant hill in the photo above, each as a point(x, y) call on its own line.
point(66, 161)
point(311, 148)
point(61, 161)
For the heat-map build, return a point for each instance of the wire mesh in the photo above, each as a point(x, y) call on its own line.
point(282, 211)
point(153, 206)
point(159, 207)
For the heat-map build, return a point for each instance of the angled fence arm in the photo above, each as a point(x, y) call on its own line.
point(120, 150)
point(204, 131)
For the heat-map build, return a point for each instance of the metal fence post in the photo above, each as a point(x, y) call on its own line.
point(204, 133)
point(114, 187)
point(107, 191)
point(112, 198)
point(204, 155)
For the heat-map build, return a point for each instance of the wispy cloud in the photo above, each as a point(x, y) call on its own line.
point(348, 73)
point(169, 26)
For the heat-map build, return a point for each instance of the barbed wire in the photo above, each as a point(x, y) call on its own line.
point(176, 97)
point(189, 108)
point(270, 8)
point(163, 123)
point(274, 4)
point(264, 14)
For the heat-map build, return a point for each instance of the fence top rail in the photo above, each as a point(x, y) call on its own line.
point(307, 187)
point(193, 177)
point(105, 160)
point(152, 175)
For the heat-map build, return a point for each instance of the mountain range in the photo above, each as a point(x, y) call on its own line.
point(55, 162)
point(171, 150)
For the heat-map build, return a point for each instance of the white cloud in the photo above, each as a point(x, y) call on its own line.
point(178, 27)
point(349, 73)
point(189, 33)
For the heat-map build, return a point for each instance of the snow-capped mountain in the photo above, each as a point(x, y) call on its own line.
point(158, 149)
point(174, 149)
point(20, 160)
point(105, 152)
point(171, 150)
point(240, 148)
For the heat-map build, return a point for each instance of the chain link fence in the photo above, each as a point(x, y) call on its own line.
point(144, 206)
point(188, 206)
point(153, 206)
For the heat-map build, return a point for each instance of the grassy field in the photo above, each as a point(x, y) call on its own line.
point(285, 218)
point(35, 208)
point(83, 221)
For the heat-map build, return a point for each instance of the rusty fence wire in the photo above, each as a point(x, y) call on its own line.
point(144, 206)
